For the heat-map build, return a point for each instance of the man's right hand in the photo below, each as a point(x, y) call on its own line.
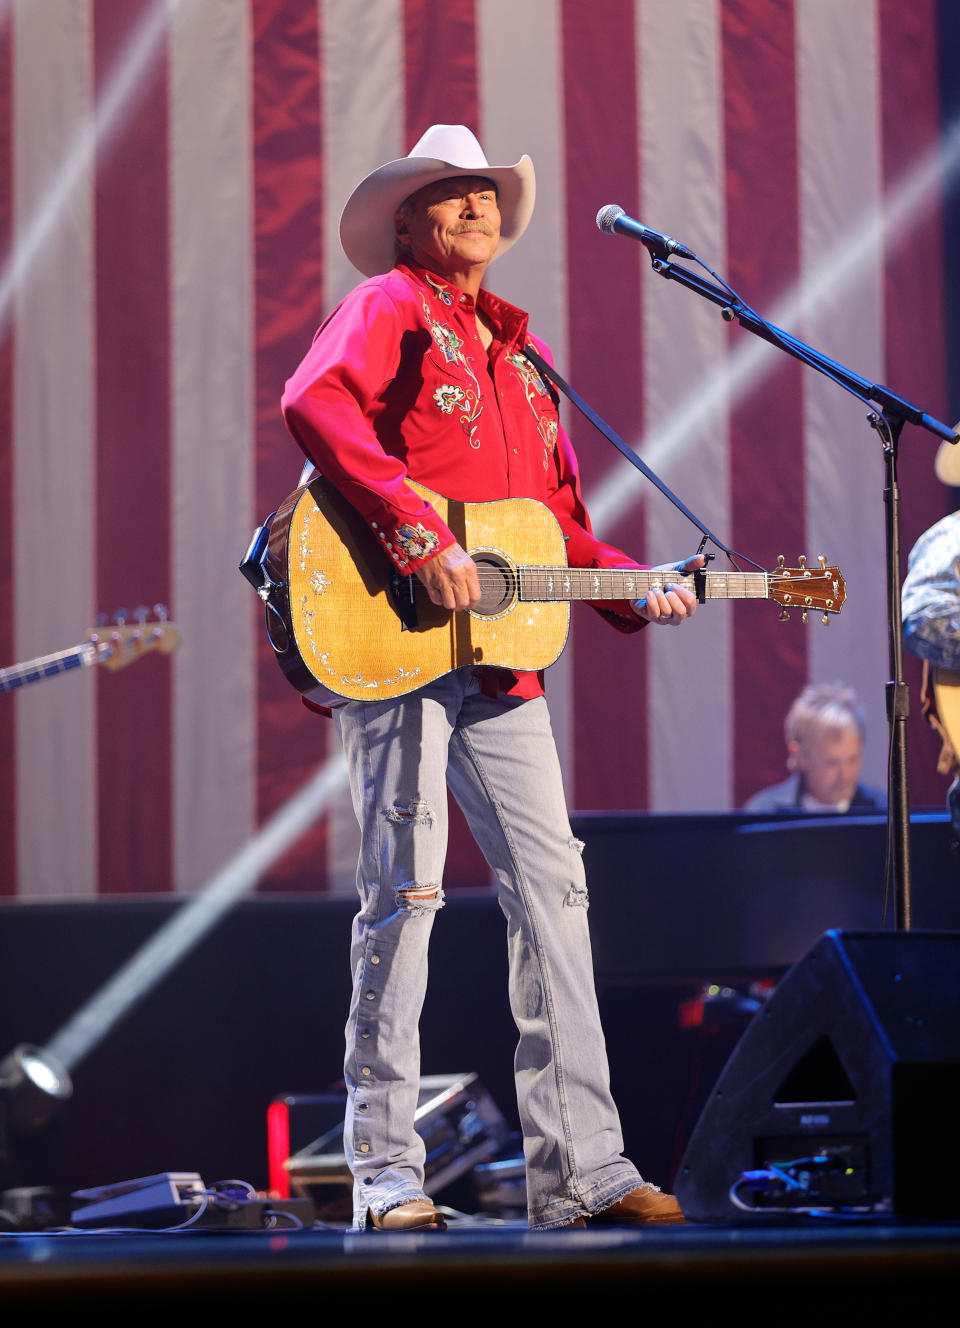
point(451, 579)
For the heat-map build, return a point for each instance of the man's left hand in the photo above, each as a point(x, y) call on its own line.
point(671, 604)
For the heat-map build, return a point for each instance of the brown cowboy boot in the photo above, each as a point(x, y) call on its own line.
point(417, 1215)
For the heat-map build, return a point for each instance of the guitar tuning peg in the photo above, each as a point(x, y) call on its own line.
point(160, 610)
point(141, 613)
point(780, 560)
point(784, 616)
point(802, 560)
point(102, 620)
point(803, 618)
point(822, 560)
point(120, 616)
point(825, 620)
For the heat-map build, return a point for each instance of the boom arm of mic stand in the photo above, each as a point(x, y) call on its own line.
point(894, 413)
point(870, 393)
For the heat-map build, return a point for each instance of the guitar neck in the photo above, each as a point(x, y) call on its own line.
point(593, 583)
point(48, 666)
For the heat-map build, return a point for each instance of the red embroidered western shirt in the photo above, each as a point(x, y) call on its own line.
point(398, 384)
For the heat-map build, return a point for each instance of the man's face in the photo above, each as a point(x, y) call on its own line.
point(452, 225)
point(830, 764)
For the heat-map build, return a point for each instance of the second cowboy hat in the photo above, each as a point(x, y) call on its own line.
point(366, 223)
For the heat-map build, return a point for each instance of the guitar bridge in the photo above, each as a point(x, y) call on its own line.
point(402, 595)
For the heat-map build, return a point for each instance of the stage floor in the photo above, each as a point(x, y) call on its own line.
point(772, 1272)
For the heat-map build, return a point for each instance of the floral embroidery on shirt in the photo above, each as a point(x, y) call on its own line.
point(527, 374)
point(471, 400)
point(548, 432)
point(441, 292)
point(447, 396)
point(470, 413)
point(448, 341)
point(533, 388)
point(415, 541)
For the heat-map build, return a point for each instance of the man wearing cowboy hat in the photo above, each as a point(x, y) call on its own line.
point(420, 373)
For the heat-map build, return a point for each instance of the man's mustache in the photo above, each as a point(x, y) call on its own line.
point(480, 226)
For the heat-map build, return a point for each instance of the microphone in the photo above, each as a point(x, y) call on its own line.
point(612, 219)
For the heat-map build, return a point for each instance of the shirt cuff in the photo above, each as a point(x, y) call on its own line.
point(410, 542)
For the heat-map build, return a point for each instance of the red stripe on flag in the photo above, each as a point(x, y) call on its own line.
point(133, 457)
point(8, 790)
point(915, 320)
point(602, 155)
point(766, 427)
point(440, 66)
point(288, 237)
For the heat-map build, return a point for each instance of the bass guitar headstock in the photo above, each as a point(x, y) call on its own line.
point(123, 642)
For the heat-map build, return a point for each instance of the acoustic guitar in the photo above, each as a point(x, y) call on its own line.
point(946, 693)
point(345, 625)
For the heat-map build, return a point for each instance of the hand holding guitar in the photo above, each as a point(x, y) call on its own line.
point(451, 579)
point(669, 604)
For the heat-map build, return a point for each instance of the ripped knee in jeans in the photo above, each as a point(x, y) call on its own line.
point(577, 896)
point(417, 897)
point(417, 812)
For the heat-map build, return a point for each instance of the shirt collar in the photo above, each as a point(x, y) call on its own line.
point(509, 322)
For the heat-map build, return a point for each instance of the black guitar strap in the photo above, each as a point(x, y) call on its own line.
point(611, 436)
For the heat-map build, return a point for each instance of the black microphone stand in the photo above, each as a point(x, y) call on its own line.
point(888, 422)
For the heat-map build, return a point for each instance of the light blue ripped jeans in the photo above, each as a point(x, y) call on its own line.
point(499, 757)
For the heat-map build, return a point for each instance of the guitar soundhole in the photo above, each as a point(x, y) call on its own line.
point(498, 584)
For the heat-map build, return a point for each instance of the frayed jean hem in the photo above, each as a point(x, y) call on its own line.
point(396, 1200)
point(604, 1197)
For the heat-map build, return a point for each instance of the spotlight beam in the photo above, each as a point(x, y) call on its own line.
point(753, 360)
point(91, 1023)
point(90, 140)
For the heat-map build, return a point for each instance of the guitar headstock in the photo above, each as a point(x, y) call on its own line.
point(123, 642)
point(807, 588)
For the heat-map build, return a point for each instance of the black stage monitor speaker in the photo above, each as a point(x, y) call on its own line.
point(843, 1094)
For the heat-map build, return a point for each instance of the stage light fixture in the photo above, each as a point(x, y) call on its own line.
point(33, 1086)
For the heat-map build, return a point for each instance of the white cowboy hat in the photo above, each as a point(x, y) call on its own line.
point(366, 223)
point(946, 463)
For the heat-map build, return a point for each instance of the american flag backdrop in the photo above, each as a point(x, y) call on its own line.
point(171, 176)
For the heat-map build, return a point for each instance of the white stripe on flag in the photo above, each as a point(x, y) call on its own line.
point(522, 111)
point(840, 173)
point(54, 431)
point(363, 99)
point(213, 436)
point(682, 183)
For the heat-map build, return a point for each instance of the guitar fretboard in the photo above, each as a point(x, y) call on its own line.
point(563, 583)
point(48, 666)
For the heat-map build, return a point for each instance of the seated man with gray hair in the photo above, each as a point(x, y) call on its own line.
point(824, 732)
